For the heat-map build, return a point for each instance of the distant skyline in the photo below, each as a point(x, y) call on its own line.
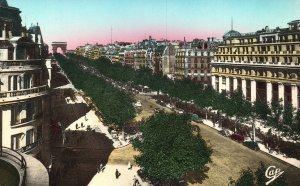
point(79, 22)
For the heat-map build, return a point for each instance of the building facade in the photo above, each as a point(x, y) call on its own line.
point(263, 64)
point(193, 64)
point(24, 89)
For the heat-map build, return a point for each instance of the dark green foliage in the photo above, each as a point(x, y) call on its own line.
point(262, 109)
point(241, 107)
point(116, 106)
point(169, 149)
point(288, 114)
point(260, 175)
point(296, 125)
point(246, 179)
point(276, 111)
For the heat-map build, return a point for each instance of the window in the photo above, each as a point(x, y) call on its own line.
point(16, 141)
point(29, 136)
point(292, 47)
point(26, 81)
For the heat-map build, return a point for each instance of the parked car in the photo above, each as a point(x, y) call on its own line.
point(225, 132)
point(196, 118)
point(237, 137)
point(251, 144)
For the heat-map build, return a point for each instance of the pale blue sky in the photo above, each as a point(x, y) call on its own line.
point(89, 21)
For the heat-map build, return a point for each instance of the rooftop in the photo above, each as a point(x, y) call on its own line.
point(3, 3)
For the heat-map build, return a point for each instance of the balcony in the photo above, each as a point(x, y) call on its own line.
point(8, 63)
point(25, 121)
point(23, 94)
point(9, 155)
point(30, 147)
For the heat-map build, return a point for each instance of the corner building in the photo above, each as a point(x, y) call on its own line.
point(24, 87)
point(264, 64)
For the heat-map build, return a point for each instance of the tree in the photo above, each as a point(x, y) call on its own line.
point(260, 175)
point(169, 149)
point(239, 107)
point(296, 125)
point(115, 105)
point(262, 109)
point(246, 178)
point(288, 114)
point(276, 111)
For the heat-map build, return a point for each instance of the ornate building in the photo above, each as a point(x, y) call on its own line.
point(263, 64)
point(24, 86)
point(168, 60)
point(193, 61)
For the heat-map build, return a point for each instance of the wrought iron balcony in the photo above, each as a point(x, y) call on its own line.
point(6, 96)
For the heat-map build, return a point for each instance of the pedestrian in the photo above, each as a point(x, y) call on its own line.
point(117, 173)
point(136, 181)
point(82, 125)
point(129, 166)
point(100, 167)
point(76, 126)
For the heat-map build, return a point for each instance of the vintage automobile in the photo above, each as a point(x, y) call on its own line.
point(237, 137)
point(251, 145)
point(196, 118)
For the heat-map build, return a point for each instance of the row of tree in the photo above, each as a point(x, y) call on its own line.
point(116, 106)
point(232, 105)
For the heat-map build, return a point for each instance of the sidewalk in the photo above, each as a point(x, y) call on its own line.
point(108, 178)
point(93, 121)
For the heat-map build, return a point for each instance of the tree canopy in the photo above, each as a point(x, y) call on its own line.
point(116, 106)
point(233, 104)
point(169, 149)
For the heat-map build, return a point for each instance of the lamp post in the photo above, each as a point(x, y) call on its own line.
point(253, 128)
